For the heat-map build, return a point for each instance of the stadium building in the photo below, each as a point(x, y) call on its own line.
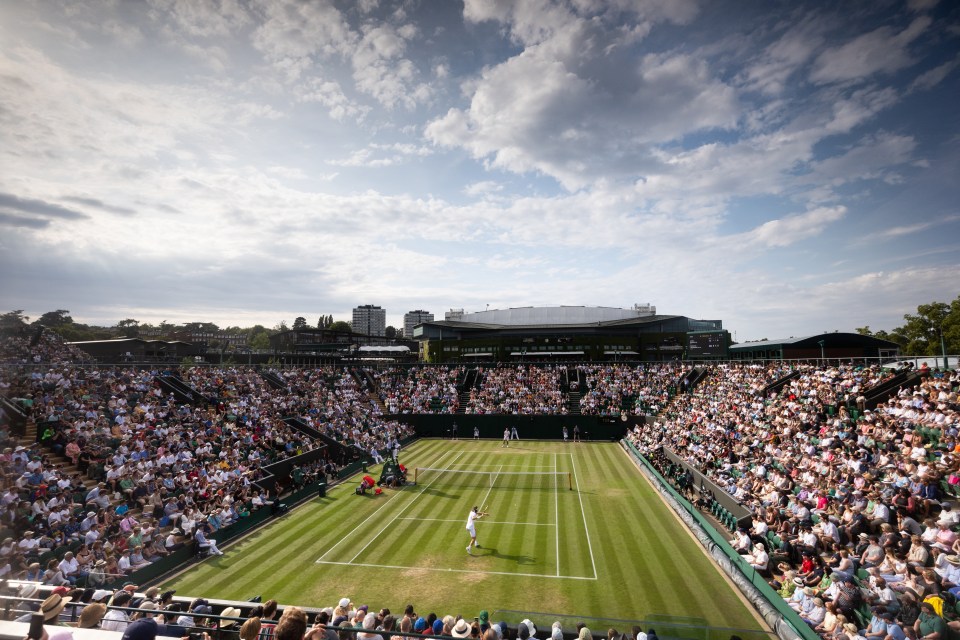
point(550, 334)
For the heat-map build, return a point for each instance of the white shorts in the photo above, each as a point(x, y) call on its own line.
point(472, 531)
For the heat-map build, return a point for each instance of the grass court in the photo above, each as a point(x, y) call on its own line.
point(608, 548)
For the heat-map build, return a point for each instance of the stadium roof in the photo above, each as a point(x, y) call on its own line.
point(561, 315)
point(829, 339)
point(460, 324)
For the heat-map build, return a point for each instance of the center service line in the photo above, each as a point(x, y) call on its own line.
point(409, 504)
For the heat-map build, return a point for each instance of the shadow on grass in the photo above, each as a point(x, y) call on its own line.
point(516, 558)
point(442, 494)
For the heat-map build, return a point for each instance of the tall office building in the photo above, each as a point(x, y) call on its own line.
point(412, 319)
point(453, 314)
point(370, 320)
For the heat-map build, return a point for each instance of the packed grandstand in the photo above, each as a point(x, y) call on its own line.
point(852, 515)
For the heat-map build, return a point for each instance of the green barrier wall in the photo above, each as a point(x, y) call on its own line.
point(528, 427)
point(720, 544)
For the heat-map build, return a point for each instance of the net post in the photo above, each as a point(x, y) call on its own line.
point(570, 480)
point(416, 474)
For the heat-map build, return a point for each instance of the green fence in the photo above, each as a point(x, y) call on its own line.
point(540, 427)
point(730, 561)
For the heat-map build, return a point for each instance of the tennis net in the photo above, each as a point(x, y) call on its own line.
point(497, 479)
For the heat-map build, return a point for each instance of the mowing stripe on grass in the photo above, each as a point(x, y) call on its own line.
point(584, 514)
point(441, 570)
point(556, 508)
point(409, 504)
point(343, 539)
point(525, 524)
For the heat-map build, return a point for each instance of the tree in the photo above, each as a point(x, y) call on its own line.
point(864, 331)
point(281, 327)
point(923, 330)
point(341, 325)
point(390, 332)
point(129, 328)
point(54, 319)
point(299, 323)
point(260, 341)
point(13, 321)
point(324, 322)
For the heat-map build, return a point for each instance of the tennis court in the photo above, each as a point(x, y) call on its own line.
point(607, 548)
point(536, 524)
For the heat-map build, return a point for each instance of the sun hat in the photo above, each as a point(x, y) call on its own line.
point(229, 612)
point(91, 615)
point(461, 629)
point(344, 602)
point(29, 590)
point(52, 606)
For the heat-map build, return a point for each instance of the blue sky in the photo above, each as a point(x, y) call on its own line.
point(787, 167)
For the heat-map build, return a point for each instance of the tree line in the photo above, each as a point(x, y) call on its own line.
point(60, 321)
point(933, 329)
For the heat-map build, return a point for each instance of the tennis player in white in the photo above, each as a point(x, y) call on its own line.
point(475, 514)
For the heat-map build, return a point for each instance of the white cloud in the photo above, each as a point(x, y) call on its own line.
point(203, 19)
point(779, 61)
point(931, 78)
point(330, 94)
point(786, 231)
point(880, 51)
point(868, 159)
point(383, 155)
point(482, 188)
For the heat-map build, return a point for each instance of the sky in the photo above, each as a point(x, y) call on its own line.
point(787, 167)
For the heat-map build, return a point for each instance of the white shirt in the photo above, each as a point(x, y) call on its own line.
point(470, 519)
point(115, 620)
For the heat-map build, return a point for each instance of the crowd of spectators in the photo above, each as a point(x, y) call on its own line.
point(519, 390)
point(853, 519)
point(641, 389)
point(424, 390)
point(852, 513)
point(148, 474)
point(152, 614)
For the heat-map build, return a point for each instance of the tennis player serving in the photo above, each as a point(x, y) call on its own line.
point(475, 514)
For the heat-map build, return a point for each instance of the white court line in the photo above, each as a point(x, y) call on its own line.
point(495, 573)
point(584, 514)
point(343, 539)
point(556, 504)
point(485, 464)
point(525, 524)
point(409, 504)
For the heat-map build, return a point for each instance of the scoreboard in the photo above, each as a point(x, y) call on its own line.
point(707, 344)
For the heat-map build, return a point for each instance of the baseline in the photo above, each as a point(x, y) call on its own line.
point(524, 524)
point(474, 571)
